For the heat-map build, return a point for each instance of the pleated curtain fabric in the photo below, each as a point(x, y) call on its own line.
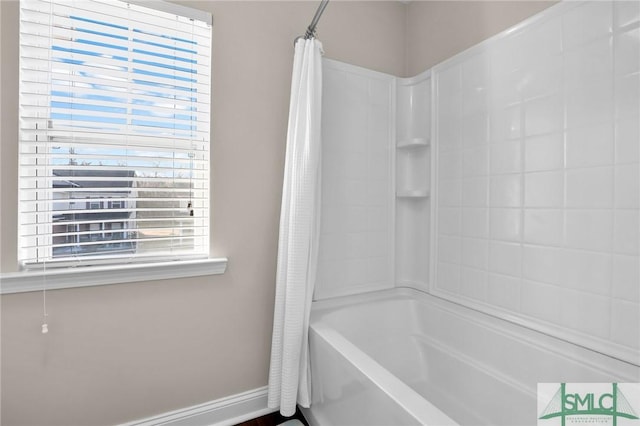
point(289, 375)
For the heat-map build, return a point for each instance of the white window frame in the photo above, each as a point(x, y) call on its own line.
point(96, 274)
point(89, 276)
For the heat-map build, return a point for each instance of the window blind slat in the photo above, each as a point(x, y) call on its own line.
point(28, 205)
point(114, 132)
point(132, 241)
point(34, 98)
point(124, 257)
point(88, 137)
point(147, 221)
point(46, 194)
point(113, 160)
point(113, 235)
point(178, 230)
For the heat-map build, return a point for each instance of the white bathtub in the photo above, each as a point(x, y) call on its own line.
point(401, 356)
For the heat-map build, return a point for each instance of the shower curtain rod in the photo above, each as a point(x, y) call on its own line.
point(311, 29)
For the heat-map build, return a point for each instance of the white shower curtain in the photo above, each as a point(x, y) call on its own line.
point(299, 234)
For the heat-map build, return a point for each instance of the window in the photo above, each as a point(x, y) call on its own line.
point(116, 204)
point(114, 132)
point(94, 205)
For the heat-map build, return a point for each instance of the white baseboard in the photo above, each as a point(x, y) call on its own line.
point(226, 411)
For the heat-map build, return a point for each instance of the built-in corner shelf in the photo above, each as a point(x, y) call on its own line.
point(415, 193)
point(413, 181)
point(412, 168)
point(413, 143)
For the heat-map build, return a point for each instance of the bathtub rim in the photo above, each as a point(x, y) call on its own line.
point(569, 350)
point(418, 407)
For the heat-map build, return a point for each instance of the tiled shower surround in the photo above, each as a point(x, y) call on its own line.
point(536, 158)
point(356, 243)
point(505, 178)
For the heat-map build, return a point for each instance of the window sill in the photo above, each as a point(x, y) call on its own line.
point(21, 282)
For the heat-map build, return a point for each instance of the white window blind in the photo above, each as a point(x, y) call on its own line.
point(114, 133)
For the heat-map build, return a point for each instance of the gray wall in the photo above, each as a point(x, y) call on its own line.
point(121, 352)
point(437, 30)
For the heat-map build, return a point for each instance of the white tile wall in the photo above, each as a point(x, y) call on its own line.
point(475, 161)
point(627, 56)
point(544, 189)
point(589, 229)
point(590, 188)
point(625, 232)
point(505, 122)
point(543, 115)
point(626, 12)
point(625, 323)
point(473, 283)
point(627, 135)
point(505, 190)
point(505, 157)
point(475, 222)
point(543, 226)
point(541, 301)
point(506, 224)
point(475, 253)
point(627, 188)
point(544, 152)
point(356, 243)
point(538, 181)
point(626, 276)
point(589, 271)
point(542, 264)
point(590, 146)
point(587, 23)
point(475, 191)
point(504, 291)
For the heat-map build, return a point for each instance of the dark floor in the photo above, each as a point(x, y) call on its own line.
point(274, 419)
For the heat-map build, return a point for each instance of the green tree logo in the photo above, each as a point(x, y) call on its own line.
point(564, 404)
